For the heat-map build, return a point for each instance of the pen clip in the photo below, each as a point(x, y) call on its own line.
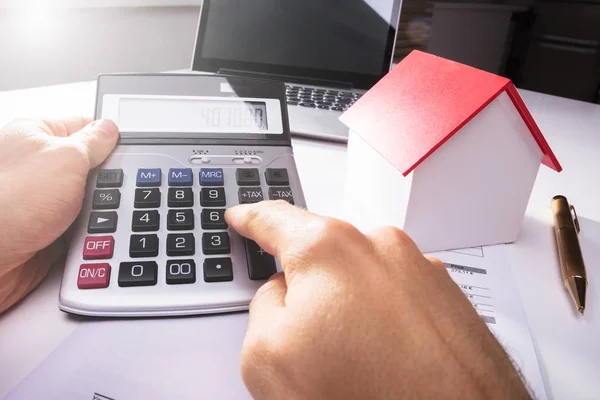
point(575, 219)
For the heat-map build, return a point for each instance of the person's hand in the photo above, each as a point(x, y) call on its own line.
point(43, 171)
point(358, 316)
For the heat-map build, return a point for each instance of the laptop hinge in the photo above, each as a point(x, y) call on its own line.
point(286, 78)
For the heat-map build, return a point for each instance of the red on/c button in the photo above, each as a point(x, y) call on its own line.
point(93, 276)
point(98, 247)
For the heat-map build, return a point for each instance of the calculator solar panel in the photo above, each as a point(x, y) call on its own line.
point(151, 239)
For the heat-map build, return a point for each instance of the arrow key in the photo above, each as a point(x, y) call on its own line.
point(102, 222)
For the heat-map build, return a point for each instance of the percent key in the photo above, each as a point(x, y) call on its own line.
point(106, 199)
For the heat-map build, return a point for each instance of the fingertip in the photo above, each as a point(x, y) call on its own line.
point(106, 127)
point(235, 214)
point(98, 139)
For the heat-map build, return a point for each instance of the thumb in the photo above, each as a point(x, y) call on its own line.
point(98, 139)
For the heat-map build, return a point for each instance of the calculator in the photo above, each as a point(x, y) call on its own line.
point(151, 238)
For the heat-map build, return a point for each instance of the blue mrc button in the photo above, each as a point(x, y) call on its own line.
point(211, 177)
point(180, 177)
point(147, 177)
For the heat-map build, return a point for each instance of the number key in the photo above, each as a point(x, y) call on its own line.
point(138, 273)
point(212, 197)
point(181, 271)
point(183, 197)
point(147, 198)
point(213, 219)
point(106, 199)
point(181, 244)
point(143, 246)
point(180, 220)
point(145, 221)
point(215, 243)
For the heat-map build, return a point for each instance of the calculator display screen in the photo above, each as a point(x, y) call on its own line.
point(192, 115)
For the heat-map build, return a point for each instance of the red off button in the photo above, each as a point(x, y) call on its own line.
point(93, 276)
point(98, 247)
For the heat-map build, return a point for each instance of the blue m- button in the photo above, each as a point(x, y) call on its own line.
point(180, 177)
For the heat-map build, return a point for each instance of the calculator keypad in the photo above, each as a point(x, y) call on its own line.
point(98, 247)
point(180, 220)
point(149, 177)
point(181, 244)
point(261, 265)
point(277, 176)
point(247, 177)
point(218, 270)
point(181, 177)
point(102, 222)
point(145, 221)
point(180, 197)
point(144, 273)
point(250, 195)
point(212, 197)
point(106, 199)
point(213, 219)
point(181, 272)
point(211, 177)
point(143, 246)
point(147, 198)
point(215, 243)
point(93, 276)
point(147, 237)
point(110, 178)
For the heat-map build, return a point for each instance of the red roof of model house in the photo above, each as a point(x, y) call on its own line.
point(425, 100)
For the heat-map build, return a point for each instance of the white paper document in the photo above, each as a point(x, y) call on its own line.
point(485, 277)
point(198, 358)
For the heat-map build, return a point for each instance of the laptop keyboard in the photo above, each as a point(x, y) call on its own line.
point(324, 99)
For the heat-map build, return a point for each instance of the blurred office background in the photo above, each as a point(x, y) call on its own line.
point(547, 46)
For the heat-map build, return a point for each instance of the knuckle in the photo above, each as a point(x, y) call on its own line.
point(73, 153)
point(255, 218)
point(280, 203)
point(436, 262)
point(267, 289)
point(330, 236)
point(394, 235)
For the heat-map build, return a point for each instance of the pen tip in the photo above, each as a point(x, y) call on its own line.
point(581, 308)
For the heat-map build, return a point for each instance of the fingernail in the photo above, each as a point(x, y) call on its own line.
point(106, 126)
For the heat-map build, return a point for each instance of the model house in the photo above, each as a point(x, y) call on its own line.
point(447, 152)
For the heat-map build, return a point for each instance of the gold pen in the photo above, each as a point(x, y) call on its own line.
point(566, 228)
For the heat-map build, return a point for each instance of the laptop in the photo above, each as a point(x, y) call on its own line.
point(327, 52)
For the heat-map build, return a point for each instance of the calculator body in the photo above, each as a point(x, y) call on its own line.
point(151, 239)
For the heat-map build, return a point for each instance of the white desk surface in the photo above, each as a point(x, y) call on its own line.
point(568, 344)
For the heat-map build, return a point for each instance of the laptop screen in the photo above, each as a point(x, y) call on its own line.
point(347, 41)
